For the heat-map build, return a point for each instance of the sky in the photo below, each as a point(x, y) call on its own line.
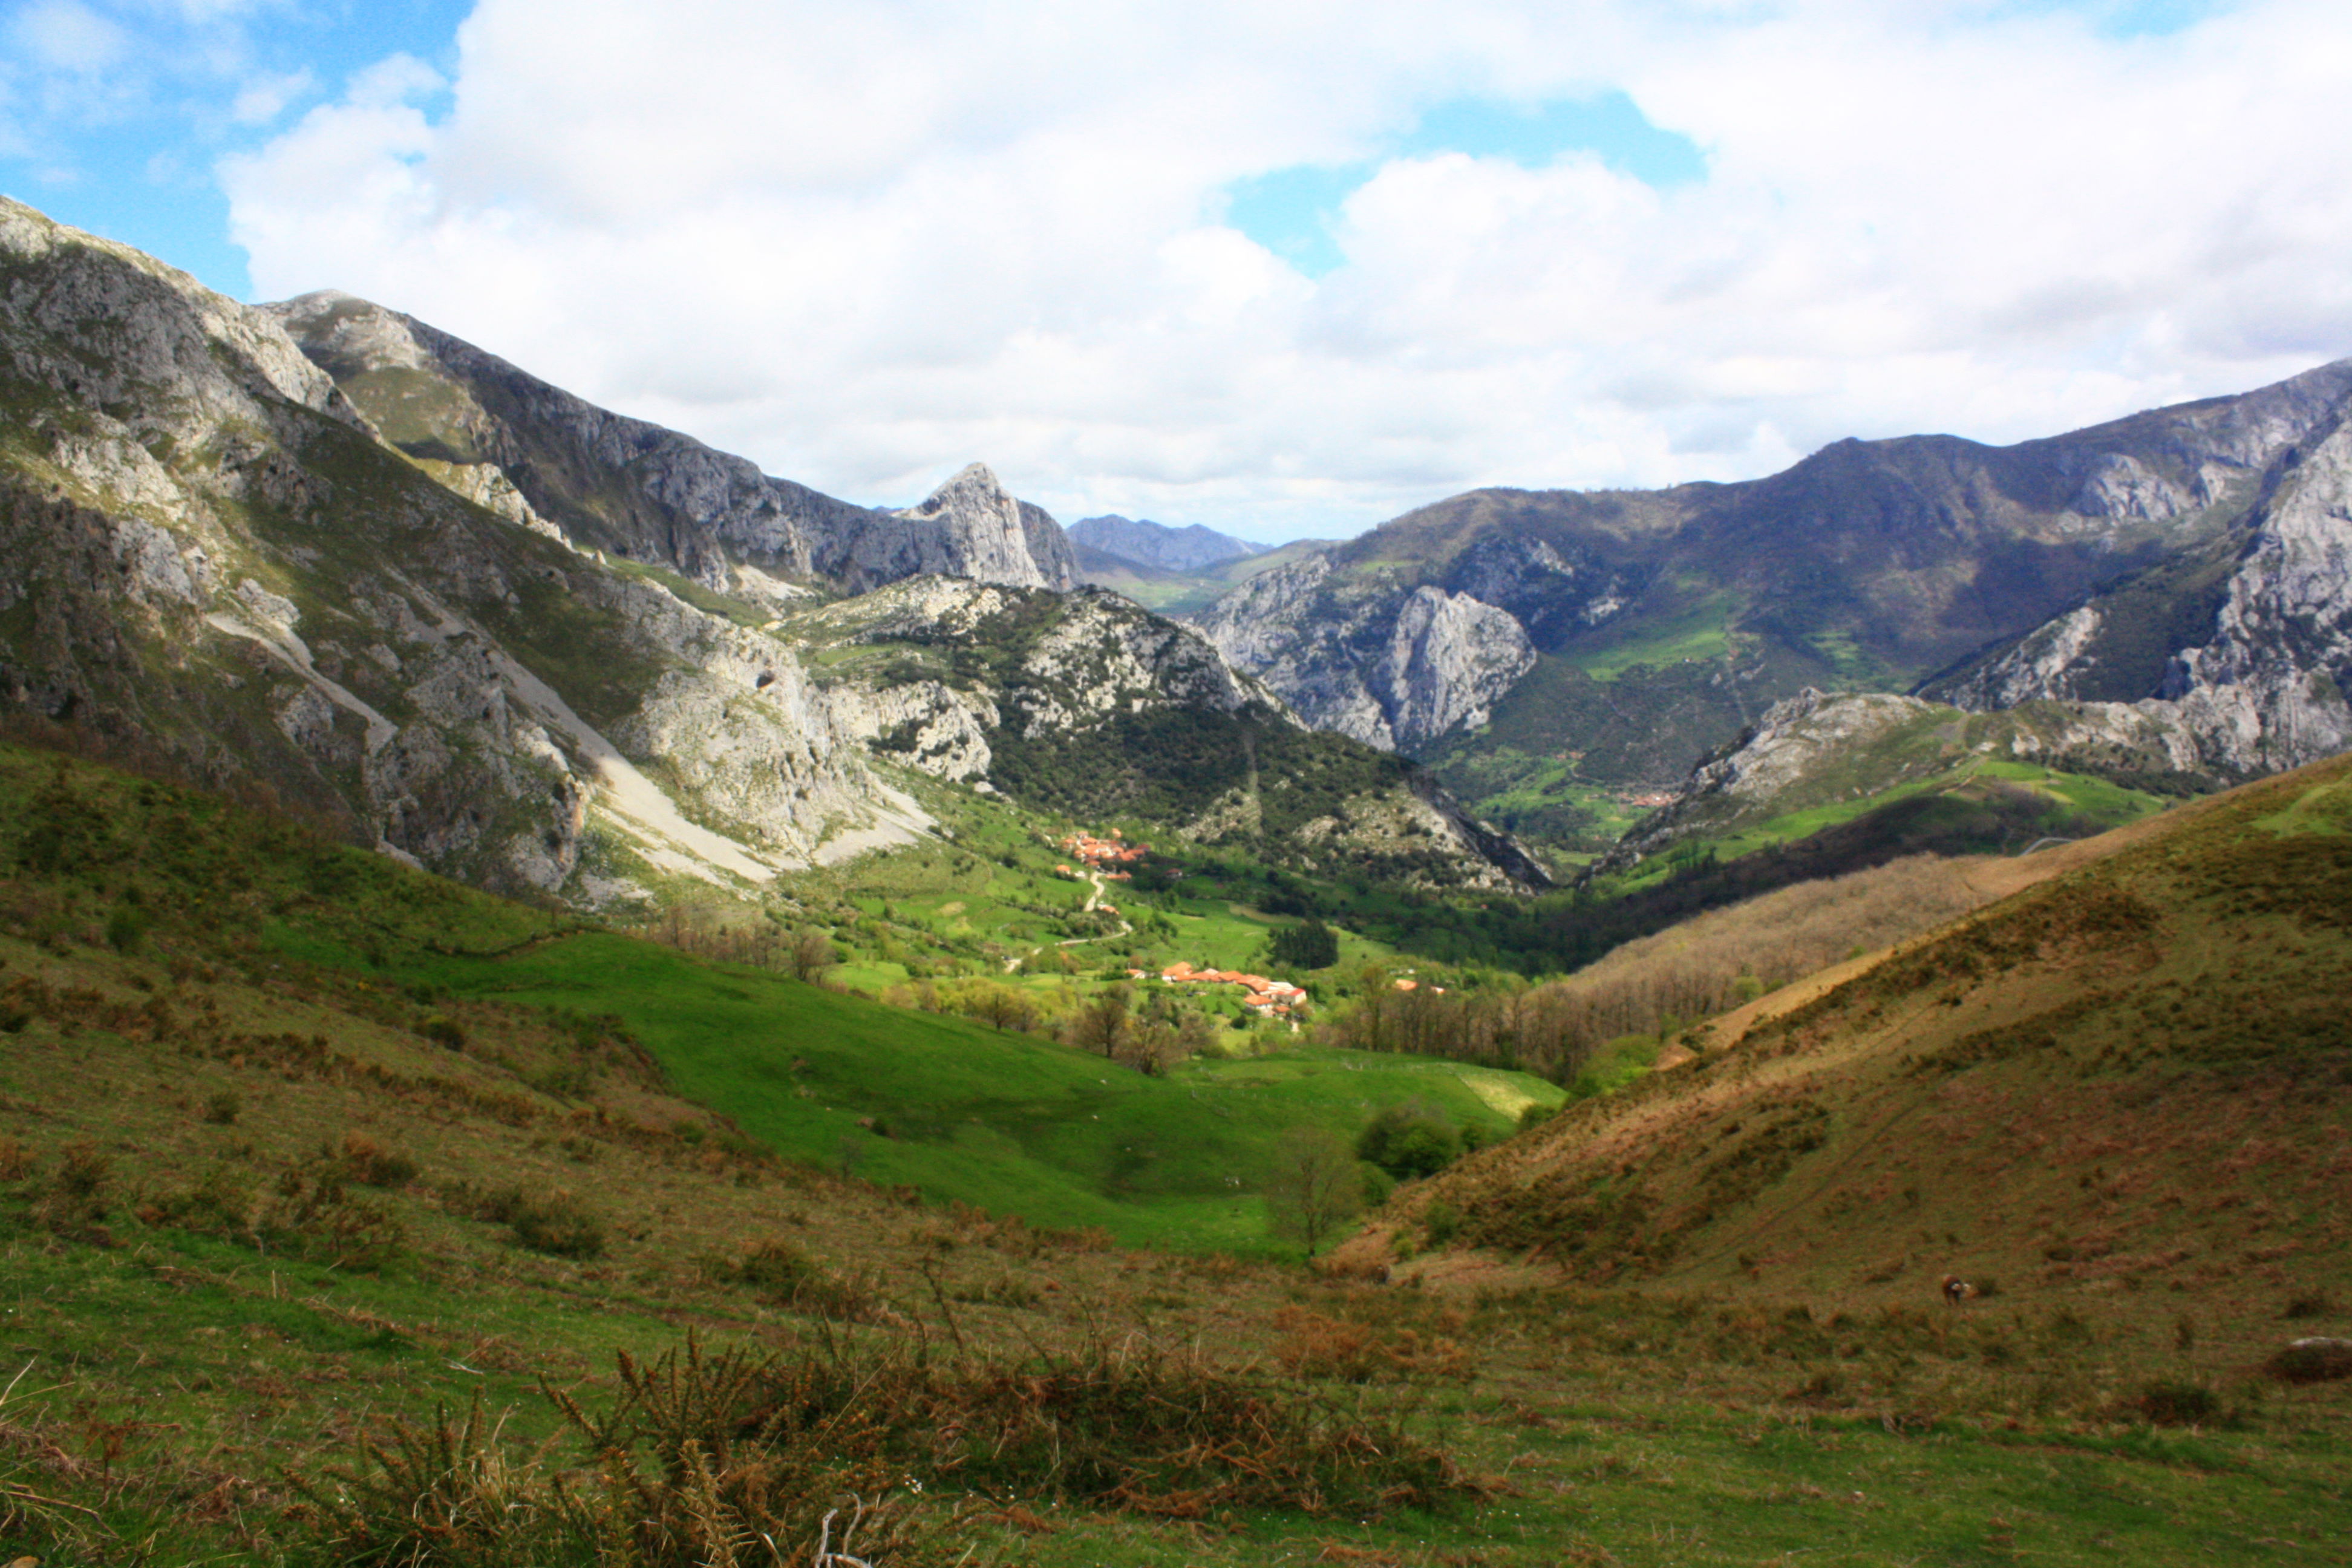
point(1284, 268)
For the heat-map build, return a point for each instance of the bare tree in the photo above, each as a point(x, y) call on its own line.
point(1313, 1187)
point(812, 955)
point(1101, 1025)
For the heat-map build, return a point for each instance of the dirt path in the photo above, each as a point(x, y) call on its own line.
point(1094, 901)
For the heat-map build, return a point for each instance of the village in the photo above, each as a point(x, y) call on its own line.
point(1266, 997)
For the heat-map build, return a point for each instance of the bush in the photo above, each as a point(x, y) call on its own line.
point(221, 1109)
point(126, 927)
point(821, 1455)
point(1440, 1222)
point(558, 1223)
point(442, 1030)
point(2177, 1404)
point(1415, 1139)
point(372, 1165)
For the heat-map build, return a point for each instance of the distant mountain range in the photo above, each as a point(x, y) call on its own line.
point(2193, 560)
point(1155, 544)
point(517, 636)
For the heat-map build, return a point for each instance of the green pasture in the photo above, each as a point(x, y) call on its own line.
point(1008, 1122)
point(1699, 632)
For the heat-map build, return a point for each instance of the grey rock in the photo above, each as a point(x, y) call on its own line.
point(1392, 667)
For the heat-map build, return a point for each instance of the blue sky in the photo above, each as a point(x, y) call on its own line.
point(113, 113)
point(1293, 211)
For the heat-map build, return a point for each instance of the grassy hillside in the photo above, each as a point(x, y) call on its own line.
point(295, 1152)
point(2126, 1084)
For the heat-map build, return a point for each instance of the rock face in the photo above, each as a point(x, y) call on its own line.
point(212, 554)
point(1156, 544)
point(1866, 565)
point(206, 553)
point(2245, 644)
point(1388, 665)
point(1088, 703)
point(637, 489)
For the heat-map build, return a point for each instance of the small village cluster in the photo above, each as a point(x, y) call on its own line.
point(1268, 998)
point(1102, 854)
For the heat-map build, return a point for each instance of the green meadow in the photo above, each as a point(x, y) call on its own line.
point(962, 1113)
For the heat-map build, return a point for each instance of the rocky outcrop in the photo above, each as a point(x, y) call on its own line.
point(1056, 664)
point(1392, 667)
point(2246, 644)
point(637, 489)
point(1096, 704)
point(1866, 564)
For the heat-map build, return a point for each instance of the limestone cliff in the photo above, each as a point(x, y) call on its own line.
point(212, 555)
point(206, 553)
point(1391, 666)
point(2245, 644)
point(1087, 702)
point(1868, 565)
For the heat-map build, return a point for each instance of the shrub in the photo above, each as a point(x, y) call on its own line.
point(372, 1165)
point(1415, 1139)
point(2177, 1404)
point(1440, 1222)
point(442, 1030)
point(558, 1223)
point(221, 1108)
point(1339, 1351)
point(126, 927)
point(820, 1455)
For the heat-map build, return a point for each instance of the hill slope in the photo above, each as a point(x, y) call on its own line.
point(207, 552)
point(2129, 1077)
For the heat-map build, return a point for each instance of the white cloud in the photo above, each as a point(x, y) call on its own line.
point(64, 35)
point(264, 98)
point(864, 245)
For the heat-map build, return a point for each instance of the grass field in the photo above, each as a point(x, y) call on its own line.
point(1009, 1123)
point(279, 1169)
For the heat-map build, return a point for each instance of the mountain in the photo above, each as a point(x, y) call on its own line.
point(1606, 638)
point(2125, 1077)
point(1155, 544)
point(650, 494)
point(1085, 704)
point(2244, 640)
point(502, 655)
